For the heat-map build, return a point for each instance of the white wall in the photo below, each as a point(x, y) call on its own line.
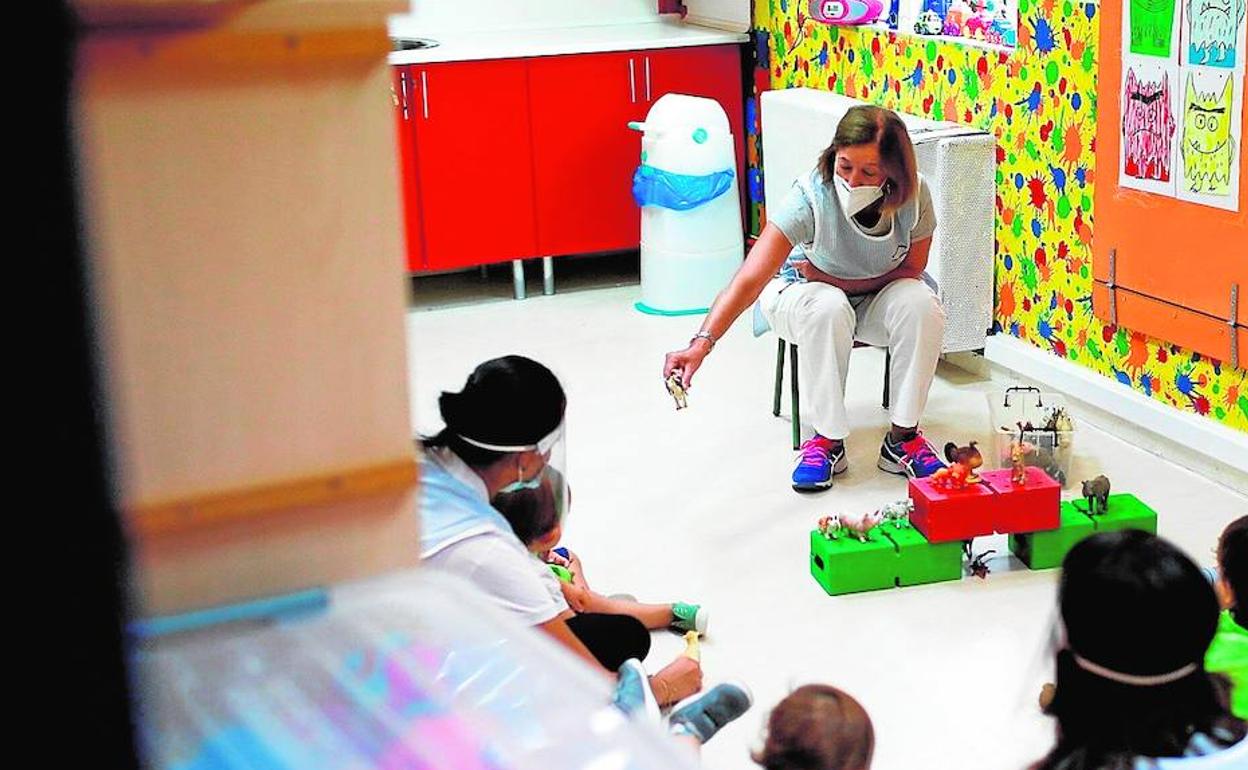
point(427, 17)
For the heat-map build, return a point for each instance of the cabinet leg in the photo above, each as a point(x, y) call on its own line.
point(548, 276)
point(517, 278)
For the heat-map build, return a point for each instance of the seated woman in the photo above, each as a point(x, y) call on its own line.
point(1132, 689)
point(503, 430)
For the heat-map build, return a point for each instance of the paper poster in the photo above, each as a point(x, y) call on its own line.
point(1150, 109)
point(990, 21)
point(1210, 141)
point(1213, 33)
point(1151, 27)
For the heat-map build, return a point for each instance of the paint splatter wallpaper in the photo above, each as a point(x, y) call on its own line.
point(1039, 100)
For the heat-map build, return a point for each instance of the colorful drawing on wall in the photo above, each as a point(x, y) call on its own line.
point(1151, 27)
point(1146, 155)
point(1214, 33)
point(1210, 141)
point(990, 21)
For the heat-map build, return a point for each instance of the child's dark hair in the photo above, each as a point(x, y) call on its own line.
point(508, 401)
point(532, 513)
point(818, 727)
point(1233, 563)
point(1134, 607)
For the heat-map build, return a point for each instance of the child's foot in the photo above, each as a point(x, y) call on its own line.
point(632, 692)
point(690, 617)
point(704, 715)
point(821, 459)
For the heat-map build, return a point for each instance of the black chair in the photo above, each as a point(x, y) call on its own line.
point(797, 420)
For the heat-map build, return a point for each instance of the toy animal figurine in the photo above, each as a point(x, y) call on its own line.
point(1059, 421)
point(898, 513)
point(692, 649)
point(830, 527)
point(1018, 468)
point(861, 526)
point(677, 389)
point(978, 564)
point(1096, 492)
point(961, 472)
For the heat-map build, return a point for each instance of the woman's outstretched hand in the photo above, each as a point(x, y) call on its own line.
point(686, 361)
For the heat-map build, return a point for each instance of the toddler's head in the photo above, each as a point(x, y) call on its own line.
point(1233, 569)
point(818, 727)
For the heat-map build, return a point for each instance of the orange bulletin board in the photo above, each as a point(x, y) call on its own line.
point(1168, 268)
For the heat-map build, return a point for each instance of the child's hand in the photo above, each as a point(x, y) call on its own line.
point(677, 680)
point(576, 597)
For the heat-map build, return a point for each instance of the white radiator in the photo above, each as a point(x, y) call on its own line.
point(959, 164)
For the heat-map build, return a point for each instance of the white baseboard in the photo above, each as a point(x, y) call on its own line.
point(1217, 444)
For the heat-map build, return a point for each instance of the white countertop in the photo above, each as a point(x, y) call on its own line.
point(455, 45)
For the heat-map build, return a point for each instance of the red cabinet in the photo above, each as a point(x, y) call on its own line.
point(473, 163)
point(513, 158)
point(584, 153)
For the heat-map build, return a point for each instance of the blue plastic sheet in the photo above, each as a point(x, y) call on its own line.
point(679, 192)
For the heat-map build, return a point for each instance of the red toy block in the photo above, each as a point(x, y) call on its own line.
point(943, 515)
point(1033, 506)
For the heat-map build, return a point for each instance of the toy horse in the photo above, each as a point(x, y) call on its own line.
point(1096, 492)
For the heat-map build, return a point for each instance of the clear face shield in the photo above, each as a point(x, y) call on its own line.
point(552, 475)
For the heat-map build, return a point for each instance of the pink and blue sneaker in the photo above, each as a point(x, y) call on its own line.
point(915, 457)
point(820, 460)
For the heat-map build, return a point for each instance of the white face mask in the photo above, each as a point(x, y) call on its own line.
point(855, 199)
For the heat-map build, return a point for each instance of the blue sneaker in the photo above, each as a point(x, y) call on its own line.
point(915, 458)
point(632, 691)
point(820, 460)
point(704, 715)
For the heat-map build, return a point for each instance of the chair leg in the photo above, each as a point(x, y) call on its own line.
point(797, 415)
point(888, 367)
point(775, 404)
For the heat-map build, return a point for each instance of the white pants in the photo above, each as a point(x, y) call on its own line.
point(905, 316)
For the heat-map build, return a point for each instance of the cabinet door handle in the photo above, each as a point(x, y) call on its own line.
point(424, 93)
point(632, 84)
point(647, 78)
point(403, 92)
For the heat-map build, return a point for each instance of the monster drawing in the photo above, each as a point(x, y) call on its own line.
point(1207, 146)
point(1213, 30)
point(1147, 127)
point(1152, 24)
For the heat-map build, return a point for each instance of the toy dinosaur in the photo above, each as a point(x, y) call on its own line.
point(677, 390)
point(898, 513)
point(830, 526)
point(1096, 492)
point(861, 526)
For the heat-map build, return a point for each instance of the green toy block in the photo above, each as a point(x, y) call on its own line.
point(845, 565)
point(1046, 549)
point(1124, 511)
point(919, 561)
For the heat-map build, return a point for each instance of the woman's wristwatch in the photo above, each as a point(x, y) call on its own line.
point(704, 335)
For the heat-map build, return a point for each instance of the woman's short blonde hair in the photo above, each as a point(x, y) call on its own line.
point(867, 124)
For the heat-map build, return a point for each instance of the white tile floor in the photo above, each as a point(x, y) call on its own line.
point(695, 505)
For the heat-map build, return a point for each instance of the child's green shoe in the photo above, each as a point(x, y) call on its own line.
point(690, 617)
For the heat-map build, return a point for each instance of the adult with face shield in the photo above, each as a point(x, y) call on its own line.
point(841, 259)
point(504, 434)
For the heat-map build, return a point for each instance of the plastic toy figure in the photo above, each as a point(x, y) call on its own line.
point(860, 526)
point(1096, 492)
point(677, 390)
point(961, 472)
point(898, 513)
point(978, 565)
point(1018, 468)
point(830, 527)
point(692, 649)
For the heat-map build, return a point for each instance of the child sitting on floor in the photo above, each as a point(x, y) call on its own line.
point(1228, 654)
point(818, 727)
point(534, 517)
